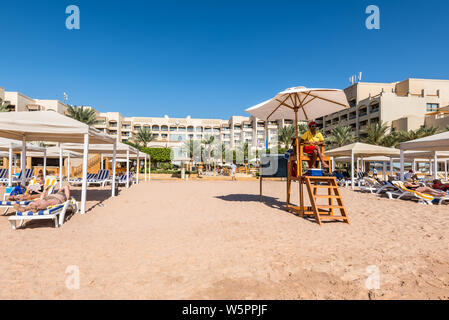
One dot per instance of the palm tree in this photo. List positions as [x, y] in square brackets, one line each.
[286, 134]
[430, 131]
[393, 139]
[341, 136]
[417, 134]
[207, 142]
[244, 149]
[4, 107]
[83, 114]
[302, 128]
[376, 133]
[144, 136]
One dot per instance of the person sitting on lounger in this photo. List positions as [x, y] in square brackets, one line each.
[46, 201]
[438, 185]
[410, 184]
[34, 191]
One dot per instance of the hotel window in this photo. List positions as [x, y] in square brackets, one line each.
[190, 129]
[182, 129]
[136, 127]
[191, 136]
[199, 129]
[247, 126]
[217, 130]
[199, 136]
[155, 128]
[237, 127]
[177, 137]
[164, 128]
[208, 130]
[172, 129]
[432, 107]
[164, 136]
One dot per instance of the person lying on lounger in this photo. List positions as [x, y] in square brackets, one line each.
[409, 184]
[438, 185]
[34, 192]
[46, 201]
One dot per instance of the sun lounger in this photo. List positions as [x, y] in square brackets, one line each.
[101, 178]
[387, 187]
[56, 213]
[370, 184]
[422, 197]
[122, 179]
[28, 175]
[4, 176]
[49, 182]
[78, 181]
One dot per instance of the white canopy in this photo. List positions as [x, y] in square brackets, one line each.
[312, 104]
[437, 142]
[53, 152]
[48, 126]
[6, 144]
[359, 149]
[122, 148]
[423, 155]
[371, 159]
[55, 127]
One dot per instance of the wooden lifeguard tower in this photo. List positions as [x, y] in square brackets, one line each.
[313, 104]
[314, 184]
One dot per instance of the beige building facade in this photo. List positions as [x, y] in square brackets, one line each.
[173, 132]
[20, 102]
[402, 105]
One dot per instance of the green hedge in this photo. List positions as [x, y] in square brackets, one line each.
[158, 154]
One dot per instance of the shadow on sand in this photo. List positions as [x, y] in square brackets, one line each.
[269, 201]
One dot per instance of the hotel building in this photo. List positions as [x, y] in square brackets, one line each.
[405, 105]
[173, 132]
[402, 105]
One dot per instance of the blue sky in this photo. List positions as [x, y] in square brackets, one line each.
[210, 58]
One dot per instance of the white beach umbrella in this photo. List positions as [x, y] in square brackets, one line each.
[300, 103]
[310, 103]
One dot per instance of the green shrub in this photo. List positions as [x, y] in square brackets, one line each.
[158, 154]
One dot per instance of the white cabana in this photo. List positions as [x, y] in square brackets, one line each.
[140, 156]
[121, 149]
[361, 150]
[11, 145]
[55, 127]
[56, 152]
[435, 144]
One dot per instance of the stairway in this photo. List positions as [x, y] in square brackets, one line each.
[93, 166]
[319, 210]
[332, 194]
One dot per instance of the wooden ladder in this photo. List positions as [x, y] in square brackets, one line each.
[332, 194]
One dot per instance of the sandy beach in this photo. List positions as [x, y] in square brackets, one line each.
[215, 240]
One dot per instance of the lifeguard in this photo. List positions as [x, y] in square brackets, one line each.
[313, 140]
